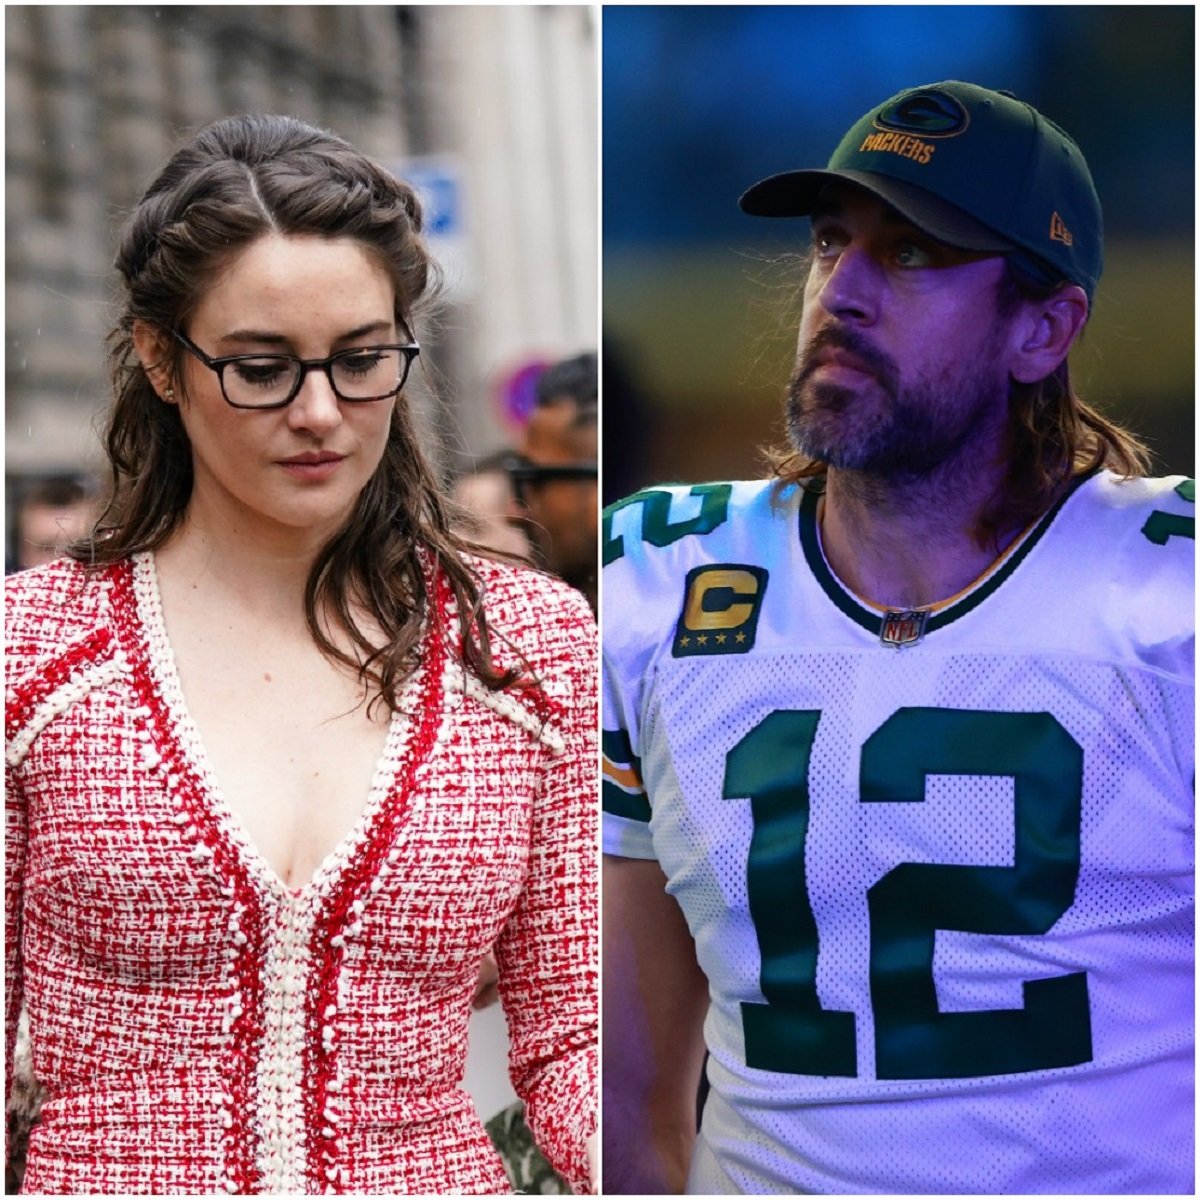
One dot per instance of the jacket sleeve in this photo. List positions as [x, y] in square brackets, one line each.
[548, 951]
[14, 873]
[15, 843]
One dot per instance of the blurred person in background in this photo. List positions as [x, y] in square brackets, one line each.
[554, 473]
[484, 496]
[334, 756]
[51, 514]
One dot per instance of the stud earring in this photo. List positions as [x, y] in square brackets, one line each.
[169, 395]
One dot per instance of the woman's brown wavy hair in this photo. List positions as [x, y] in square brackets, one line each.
[1053, 437]
[234, 181]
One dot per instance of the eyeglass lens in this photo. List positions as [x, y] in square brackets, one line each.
[368, 374]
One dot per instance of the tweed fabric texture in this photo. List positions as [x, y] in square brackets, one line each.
[198, 1025]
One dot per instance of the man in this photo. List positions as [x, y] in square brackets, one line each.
[52, 513]
[899, 747]
[554, 475]
[547, 503]
[484, 498]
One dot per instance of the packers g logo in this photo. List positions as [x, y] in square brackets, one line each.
[929, 113]
[721, 604]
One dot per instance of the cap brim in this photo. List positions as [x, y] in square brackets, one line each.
[795, 194]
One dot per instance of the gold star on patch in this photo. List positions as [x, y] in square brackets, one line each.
[741, 637]
[685, 641]
[720, 637]
[702, 640]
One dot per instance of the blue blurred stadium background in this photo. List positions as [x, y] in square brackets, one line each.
[699, 102]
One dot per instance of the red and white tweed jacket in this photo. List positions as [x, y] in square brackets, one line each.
[201, 1027]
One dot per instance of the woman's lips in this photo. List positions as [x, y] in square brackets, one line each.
[313, 467]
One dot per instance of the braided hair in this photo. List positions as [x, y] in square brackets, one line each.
[237, 180]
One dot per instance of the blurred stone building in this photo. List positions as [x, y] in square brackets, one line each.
[492, 111]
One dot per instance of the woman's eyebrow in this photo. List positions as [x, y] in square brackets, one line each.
[252, 335]
[278, 339]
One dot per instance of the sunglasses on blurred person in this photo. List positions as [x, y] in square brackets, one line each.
[527, 475]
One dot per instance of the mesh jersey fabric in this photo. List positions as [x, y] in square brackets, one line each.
[200, 1027]
[943, 893]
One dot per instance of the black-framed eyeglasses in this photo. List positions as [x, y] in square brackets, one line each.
[525, 474]
[357, 376]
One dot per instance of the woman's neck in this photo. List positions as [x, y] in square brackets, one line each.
[263, 573]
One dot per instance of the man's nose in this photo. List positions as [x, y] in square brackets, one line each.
[851, 288]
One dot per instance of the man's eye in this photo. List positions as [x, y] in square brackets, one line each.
[826, 244]
[908, 254]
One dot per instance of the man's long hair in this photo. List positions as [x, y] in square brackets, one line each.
[235, 181]
[1053, 437]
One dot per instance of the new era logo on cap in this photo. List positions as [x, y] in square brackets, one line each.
[1059, 232]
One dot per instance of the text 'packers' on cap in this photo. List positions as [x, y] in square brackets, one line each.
[973, 167]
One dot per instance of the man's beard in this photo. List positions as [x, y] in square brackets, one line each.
[887, 429]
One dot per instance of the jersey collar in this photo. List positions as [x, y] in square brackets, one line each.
[869, 616]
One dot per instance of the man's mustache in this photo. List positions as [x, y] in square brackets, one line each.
[866, 356]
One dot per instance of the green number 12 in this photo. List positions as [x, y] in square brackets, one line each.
[913, 1039]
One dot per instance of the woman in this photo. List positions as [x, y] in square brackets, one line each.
[284, 759]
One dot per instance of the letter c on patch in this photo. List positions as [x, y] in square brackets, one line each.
[740, 583]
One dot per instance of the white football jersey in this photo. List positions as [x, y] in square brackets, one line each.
[938, 867]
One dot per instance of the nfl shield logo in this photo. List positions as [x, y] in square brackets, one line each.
[903, 628]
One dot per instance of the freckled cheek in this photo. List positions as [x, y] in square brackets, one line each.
[370, 442]
[204, 432]
[376, 435]
[231, 451]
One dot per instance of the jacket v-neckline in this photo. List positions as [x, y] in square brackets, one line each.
[411, 731]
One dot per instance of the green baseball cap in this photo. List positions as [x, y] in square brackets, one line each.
[974, 168]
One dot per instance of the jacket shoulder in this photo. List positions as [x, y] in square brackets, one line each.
[529, 605]
[59, 643]
[539, 623]
[51, 608]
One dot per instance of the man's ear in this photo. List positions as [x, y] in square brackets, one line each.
[153, 353]
[1044, 332]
